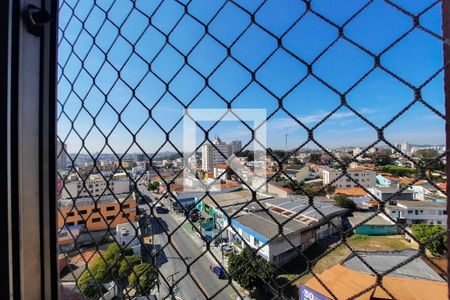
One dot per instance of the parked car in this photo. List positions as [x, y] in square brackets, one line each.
[227, 249]
[161, 209]
[220, 273]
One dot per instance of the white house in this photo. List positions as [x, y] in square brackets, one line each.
[364, 176]
[418, 212]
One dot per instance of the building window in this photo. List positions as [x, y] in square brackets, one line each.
[126, 206]
[97, 209]
[70, 223]
[110, 217]
[439, 222]
[70, 214]
[125, 215]
[83, 212]
[410, 212]
[96, 220]
[110, 208]
[81, 222]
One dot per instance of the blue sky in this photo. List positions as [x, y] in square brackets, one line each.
[378, 97]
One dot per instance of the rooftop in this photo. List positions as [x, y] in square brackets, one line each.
[241, 197]
[357, 191]
[87, 201]
[283, 211]
[358, 217]
[384, 261]
[418, 203]
[345, 283]
[390, 189]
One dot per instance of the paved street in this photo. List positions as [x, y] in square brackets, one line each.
[171, 265]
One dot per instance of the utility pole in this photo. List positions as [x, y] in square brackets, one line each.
[286, 139]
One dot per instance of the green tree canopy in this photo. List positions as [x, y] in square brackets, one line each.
[250, 271]
[143, 278]
[344, 202]
[315, 158]
[382, 158]
[127, 264]
[103, 270]
[398, 171]
[426, 153]
[152, 185]
[424, 232]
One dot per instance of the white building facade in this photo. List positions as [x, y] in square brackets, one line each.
[363, 176]
[419, 212]
[94, 185]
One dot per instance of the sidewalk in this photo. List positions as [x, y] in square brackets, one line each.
[194, 235]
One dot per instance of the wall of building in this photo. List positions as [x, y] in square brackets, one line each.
[365, 178]
[95, 186]
[108, 214]
[376, 229]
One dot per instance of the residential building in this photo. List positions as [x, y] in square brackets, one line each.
[363, 176]
[95, 185]
[378, 225]
[220, 170]
[211, 155]
[257, 227]
[406, 148]
[277, 189]
[299, 173]
[391, 193]
[124, 163]
[418, 212]
[61, 162]
[138, 157]
[423, 190]
[236, 146]
[97, 214]
[128, 234]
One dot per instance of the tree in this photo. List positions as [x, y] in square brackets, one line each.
[424, 232]
[428, 160]
[143, 278]
[315, 158]
[89, 285]
[103, 270]
[250, 271]
[152, 185]
[426, 154]
[344, 202]
[382, 158]
[127, 264]
[398, 171]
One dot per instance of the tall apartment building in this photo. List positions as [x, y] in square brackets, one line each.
[364, 176]
[138, 157]
[62, 155]
[406, 148]
[211, 156]
[95, 185]
[236, 146]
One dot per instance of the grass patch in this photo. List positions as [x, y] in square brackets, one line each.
[359, 242]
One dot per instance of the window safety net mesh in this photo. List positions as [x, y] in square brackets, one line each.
[324, 196]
